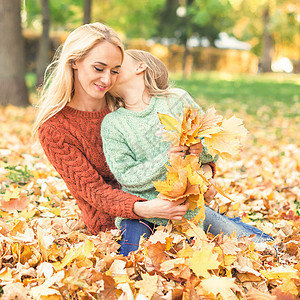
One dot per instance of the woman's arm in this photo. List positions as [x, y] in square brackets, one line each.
[81, 178]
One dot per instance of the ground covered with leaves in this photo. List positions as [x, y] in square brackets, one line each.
[46, 252]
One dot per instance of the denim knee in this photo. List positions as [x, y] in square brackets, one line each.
[131, 231]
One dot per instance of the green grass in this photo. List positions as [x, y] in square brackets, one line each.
[30, 81]
[270, 93]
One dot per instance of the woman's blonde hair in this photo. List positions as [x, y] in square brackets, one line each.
[58, 85]
[156, 75]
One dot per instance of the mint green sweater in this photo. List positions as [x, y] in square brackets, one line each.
[134, 150]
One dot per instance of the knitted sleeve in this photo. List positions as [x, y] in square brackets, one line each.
[83, 181]
[133, 175]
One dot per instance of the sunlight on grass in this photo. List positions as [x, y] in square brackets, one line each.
[256, 94]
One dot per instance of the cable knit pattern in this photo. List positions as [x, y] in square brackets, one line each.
[72, 143]
[134, 150]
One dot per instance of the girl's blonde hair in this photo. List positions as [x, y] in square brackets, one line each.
[58, 85]
[156, 75]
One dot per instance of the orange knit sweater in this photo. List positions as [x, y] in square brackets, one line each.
[72, 143]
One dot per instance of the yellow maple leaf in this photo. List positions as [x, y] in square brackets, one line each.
[80, 253]
[193, 125]
[189, 128]
[45, 288]
[169, 122]
[148, 286]
[12, 193]
[192, 230]
[288, 287]
[182, 181]
[280, 272]
[174, 187]
[172, 127]
[185, 252]
[220, 286]
[6, 274]
[209, 120]
[227, 141]
[27, 214]
[204, 260]
[222, 137]
[168, 265]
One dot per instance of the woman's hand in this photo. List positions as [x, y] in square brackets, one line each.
[177, 150]
[196, 149]
[159, 208]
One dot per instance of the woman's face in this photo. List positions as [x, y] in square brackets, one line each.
[97, 72]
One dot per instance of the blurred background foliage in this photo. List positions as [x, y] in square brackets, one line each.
[235, 36]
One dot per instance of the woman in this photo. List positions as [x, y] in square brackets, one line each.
[73, 103]
[137, 156]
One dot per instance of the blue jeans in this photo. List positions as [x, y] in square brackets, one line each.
[132, 230]
[214, 223]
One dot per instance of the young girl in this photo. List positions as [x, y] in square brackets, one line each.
[135, 152]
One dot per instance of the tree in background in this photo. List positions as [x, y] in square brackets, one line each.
[135, 19]
[87, 7]
[38, 16]
[13, 88]
[66, 15]
[266, 24]
[43, 56]
[181, 20]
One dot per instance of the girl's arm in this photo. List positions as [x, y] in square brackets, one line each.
[133, 175]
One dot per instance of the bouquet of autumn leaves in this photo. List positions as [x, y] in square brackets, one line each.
[184, 178]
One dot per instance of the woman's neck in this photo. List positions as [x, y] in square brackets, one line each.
[87, 104]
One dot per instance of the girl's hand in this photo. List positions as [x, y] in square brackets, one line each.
[210, 192]
[177, 150]
[196, 149]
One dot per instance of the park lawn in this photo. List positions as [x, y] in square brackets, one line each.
[257, 94]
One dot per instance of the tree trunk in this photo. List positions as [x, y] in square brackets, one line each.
[188, 31]
[185, 67]
[13, 89]
[267, 44]
[43, 53]
[87, 11]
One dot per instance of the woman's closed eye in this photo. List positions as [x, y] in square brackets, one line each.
[98, 69]
[101, 70]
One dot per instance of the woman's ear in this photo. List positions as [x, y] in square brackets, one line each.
[74, 65]
[141, 68]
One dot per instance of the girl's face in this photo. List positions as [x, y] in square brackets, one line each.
[127, 74]
[97, 72]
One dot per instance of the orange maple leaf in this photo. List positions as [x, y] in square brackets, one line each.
[156, 253]
[182, 180]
